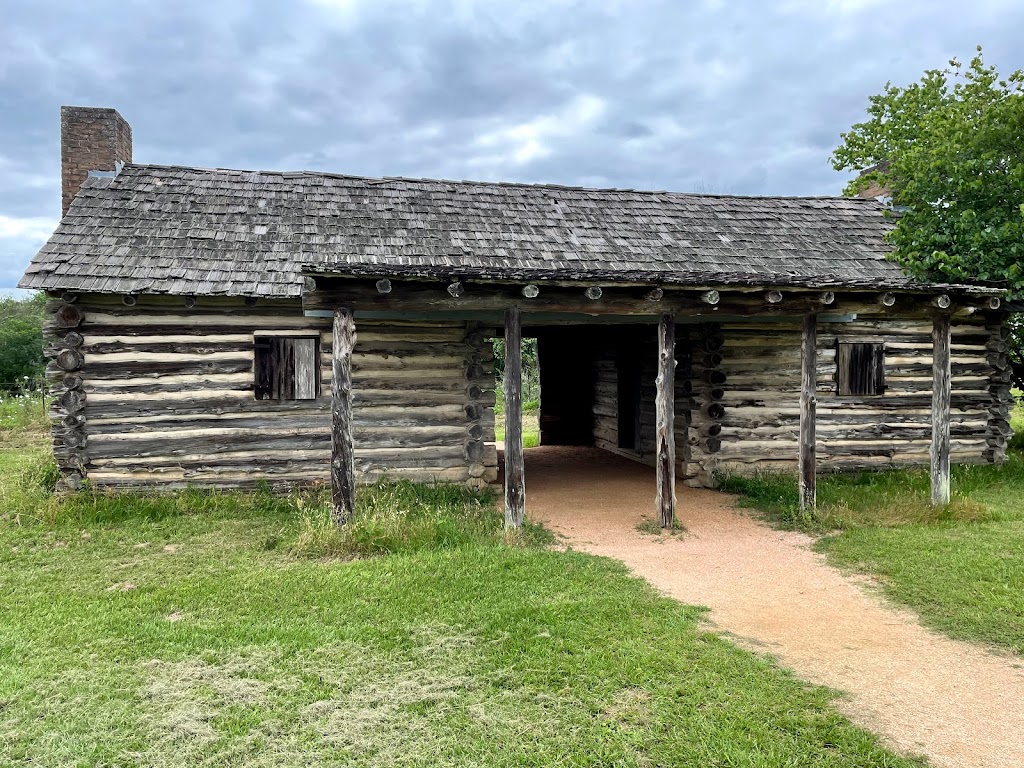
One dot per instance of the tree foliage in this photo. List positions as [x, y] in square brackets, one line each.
[950, 148]
[21, 339]
[531, 367]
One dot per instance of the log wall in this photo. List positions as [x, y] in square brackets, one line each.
[162, 393]
[761, 403]
[738, 395]
[159, 391]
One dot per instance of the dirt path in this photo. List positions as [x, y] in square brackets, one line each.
[924, 693]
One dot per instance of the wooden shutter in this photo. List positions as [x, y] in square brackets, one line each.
[286, 368]
[860, 368]
[304, 352]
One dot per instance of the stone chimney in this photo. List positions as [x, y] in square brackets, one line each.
[91, 139]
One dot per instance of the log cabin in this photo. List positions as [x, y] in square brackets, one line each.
[220, 328]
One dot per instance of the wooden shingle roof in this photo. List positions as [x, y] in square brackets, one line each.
[158, 229]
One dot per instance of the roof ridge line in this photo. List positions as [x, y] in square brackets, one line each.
[510, 184]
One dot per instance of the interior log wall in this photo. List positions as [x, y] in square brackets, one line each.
[639, 346]
[163, 394]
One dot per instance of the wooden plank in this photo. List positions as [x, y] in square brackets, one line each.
[665, 421]
[307, 369]
[808, 408]
[515, 488]
[941, 395]
[343, 482]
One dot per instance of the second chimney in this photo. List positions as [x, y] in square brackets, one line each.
[91, 139]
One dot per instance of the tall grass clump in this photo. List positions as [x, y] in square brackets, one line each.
[773, 493]
[27, 493]
[395, 516]
[1016, 443]
[27, 485]
[24, 413]
[884, 498]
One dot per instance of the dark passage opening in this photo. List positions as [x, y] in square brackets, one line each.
[565, 358]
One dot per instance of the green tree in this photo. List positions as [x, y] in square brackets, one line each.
[531, 368]
[21, 338]
[950, 148]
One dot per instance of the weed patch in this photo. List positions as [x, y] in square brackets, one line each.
[652, 527]
[887, 498]
[400, 516]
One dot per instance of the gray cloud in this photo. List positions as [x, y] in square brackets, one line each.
[738, 97]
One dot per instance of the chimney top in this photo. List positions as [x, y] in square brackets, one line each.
[91, 139]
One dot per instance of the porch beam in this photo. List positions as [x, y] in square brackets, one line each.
[808, 413]
[941, 393]
[612, 300]
[515, 489]
[664, 406]
[343, 481]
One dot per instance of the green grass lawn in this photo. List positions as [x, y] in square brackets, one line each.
[197, 629]
[961, 568]
[24, 419]
[531, 425]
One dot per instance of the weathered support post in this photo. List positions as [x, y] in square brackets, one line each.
[515, 487]
[343, 479]
[808, 413]
[665, 416]
[941, 392]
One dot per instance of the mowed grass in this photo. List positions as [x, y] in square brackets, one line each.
[531, 424]
[196, 629]
[960, 567]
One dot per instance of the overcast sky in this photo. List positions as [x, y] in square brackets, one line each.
[737, 96]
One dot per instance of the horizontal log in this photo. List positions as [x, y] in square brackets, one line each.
[67, 316]
[172, 479]
[72, 401]
[100, 368]
[310, 460]
[365, 418]
[218, 404]
[103, 447]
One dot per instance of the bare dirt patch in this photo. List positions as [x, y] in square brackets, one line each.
[957, 703]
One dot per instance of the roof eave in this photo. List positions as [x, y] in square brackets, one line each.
[644, 277]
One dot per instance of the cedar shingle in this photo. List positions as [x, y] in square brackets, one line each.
[195, 231]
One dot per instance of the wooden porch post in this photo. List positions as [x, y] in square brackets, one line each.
[343, 481]
[664, 406]
[941, 393]
[808, 413]
[515, 489]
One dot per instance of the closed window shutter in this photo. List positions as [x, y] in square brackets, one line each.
[860, 368]
[286, 368]
[304, 353]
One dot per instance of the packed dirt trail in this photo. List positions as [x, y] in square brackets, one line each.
[954, 702]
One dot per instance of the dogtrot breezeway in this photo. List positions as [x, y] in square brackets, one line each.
[956, 703]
